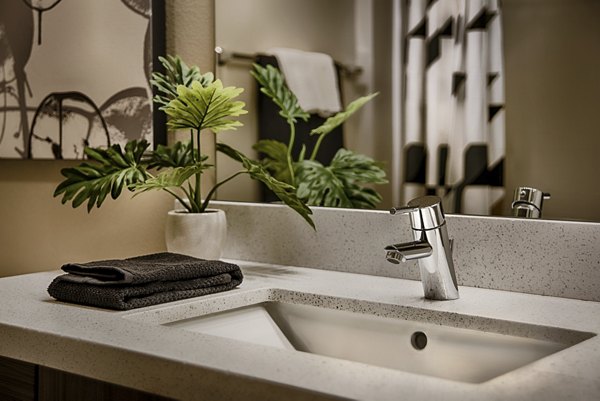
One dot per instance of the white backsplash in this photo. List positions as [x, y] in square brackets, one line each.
[543, 257]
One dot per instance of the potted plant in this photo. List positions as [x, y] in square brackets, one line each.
[195, 102]
[345, 182]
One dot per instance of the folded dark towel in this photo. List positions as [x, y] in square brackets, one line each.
[143, 281]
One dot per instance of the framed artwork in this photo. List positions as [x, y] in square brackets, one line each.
[76, 73]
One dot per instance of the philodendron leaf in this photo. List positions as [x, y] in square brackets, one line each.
[176, 73]
[356, 168]
[272, 84]
[284, 191]
[210, 107]
[336, 120]
[341, 184]
[180, 154]
[112, 171]
[173, 177]
[362, 197]
[318, 185]
[274, 158]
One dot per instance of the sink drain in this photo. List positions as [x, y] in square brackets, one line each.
[418, 340]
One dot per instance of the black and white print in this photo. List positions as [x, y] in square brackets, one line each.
[74, 73]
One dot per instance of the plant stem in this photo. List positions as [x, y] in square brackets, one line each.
[214, 189]
[289, 152]
[173, 194]
[197, 192]
[313, 155]
[189, 194]
[192, 143]
[184, 203]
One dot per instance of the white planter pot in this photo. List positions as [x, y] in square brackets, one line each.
[201, 235]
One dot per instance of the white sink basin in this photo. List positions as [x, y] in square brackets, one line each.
[447, 352]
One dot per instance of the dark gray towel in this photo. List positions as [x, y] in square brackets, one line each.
[143, 281]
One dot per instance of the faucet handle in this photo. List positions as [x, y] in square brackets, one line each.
[403, 210]
[425, 212]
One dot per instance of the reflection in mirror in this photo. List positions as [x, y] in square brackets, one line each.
[527, 115]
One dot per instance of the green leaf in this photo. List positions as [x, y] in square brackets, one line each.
[284, 192]
[318, 185]
[201, 107]
[336, 120]
[356, 168]
[274, 158]
[172, 177]
[272, 84]
[176, 73]
[342, 183]
[180, 154]
[362, 197]
[109, 171]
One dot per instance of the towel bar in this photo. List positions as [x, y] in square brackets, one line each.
[225, 56]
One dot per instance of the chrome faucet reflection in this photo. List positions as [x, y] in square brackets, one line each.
[431, 247]
[528, 202]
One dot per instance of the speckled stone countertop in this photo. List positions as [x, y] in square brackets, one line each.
[133, 349]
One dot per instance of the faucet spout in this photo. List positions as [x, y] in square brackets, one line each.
[431, 247]
[408, 251]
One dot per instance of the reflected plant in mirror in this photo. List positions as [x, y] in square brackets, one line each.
[195, 102]
[546, 136]
[345, 181]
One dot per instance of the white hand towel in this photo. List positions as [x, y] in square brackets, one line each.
[313, 79]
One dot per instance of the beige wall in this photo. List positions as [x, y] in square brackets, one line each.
[553, 103]
[38, 233]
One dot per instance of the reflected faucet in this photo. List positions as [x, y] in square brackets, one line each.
[528, 202]
[431, 248]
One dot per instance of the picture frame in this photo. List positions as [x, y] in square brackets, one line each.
[76, 73]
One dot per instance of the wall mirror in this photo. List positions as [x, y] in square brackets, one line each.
[548, 100]
[76, 74]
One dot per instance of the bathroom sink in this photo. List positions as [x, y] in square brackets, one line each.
[444, 351]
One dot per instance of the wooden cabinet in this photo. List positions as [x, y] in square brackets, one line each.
[22, 381]
[17, 380]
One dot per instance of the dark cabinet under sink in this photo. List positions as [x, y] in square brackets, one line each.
[23, 381]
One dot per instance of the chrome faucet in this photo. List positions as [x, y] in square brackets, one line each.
[431, 247]
[528, 202]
